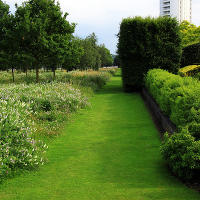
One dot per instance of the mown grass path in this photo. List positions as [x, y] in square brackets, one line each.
[109, 152]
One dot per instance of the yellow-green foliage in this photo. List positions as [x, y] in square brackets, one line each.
[179, 98]
[189, 70]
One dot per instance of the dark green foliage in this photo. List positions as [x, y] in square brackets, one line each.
[147, 43]
[116, 61]
[73, 55]
[182, 154]
[44, 33]
[191, 55]
[90, 58]
[39, 36]
[94, 56]
[8, 45]
[106, 57]
[179, 98]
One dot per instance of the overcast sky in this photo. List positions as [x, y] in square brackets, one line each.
[104, 16]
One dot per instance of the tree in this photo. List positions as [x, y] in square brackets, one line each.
[59, 37]
[106, 57]
[73, 54]
[42, 28]
[116, 61]
[91, 58]
[190, 33]
[8, 42]
[4, 12]
[94, 56]
[11, 45]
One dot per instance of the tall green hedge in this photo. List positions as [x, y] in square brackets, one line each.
[146, 43]
[191, 55]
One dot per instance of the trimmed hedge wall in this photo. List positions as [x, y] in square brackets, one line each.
[191, 55]
[179, 98]
[146, 43]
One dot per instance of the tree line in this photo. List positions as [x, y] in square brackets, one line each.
[39, 36]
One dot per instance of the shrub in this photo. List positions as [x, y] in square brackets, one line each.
[191, 55]
[182, 154]
[190, 70]
[179, 98]
[197, 76]
[147, 43]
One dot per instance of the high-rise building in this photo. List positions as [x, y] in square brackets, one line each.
[181, 9]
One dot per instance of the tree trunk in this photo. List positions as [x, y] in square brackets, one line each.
[13, 75]
[54, 74]
[26, 72]
[37, 74]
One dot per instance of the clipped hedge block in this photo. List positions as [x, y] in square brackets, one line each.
[146, 43]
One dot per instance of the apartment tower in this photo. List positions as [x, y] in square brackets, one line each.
[181, 9]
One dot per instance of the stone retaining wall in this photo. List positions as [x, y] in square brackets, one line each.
[163, 122]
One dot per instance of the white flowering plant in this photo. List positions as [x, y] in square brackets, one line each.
[18, 149]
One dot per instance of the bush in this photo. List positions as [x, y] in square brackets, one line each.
[182, 154]
[191, 55]
[190, 70]
[179, 98]
[147, 43]
[197, 76]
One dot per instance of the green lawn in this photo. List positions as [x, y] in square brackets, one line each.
[108, 152]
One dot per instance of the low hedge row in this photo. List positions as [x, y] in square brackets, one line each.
[179, 98]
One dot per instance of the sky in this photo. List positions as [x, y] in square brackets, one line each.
[103, 17]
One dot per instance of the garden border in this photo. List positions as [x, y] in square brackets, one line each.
[162, 122]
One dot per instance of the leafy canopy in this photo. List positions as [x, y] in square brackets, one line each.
[190, 33]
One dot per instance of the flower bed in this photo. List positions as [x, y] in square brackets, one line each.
[28, 112]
